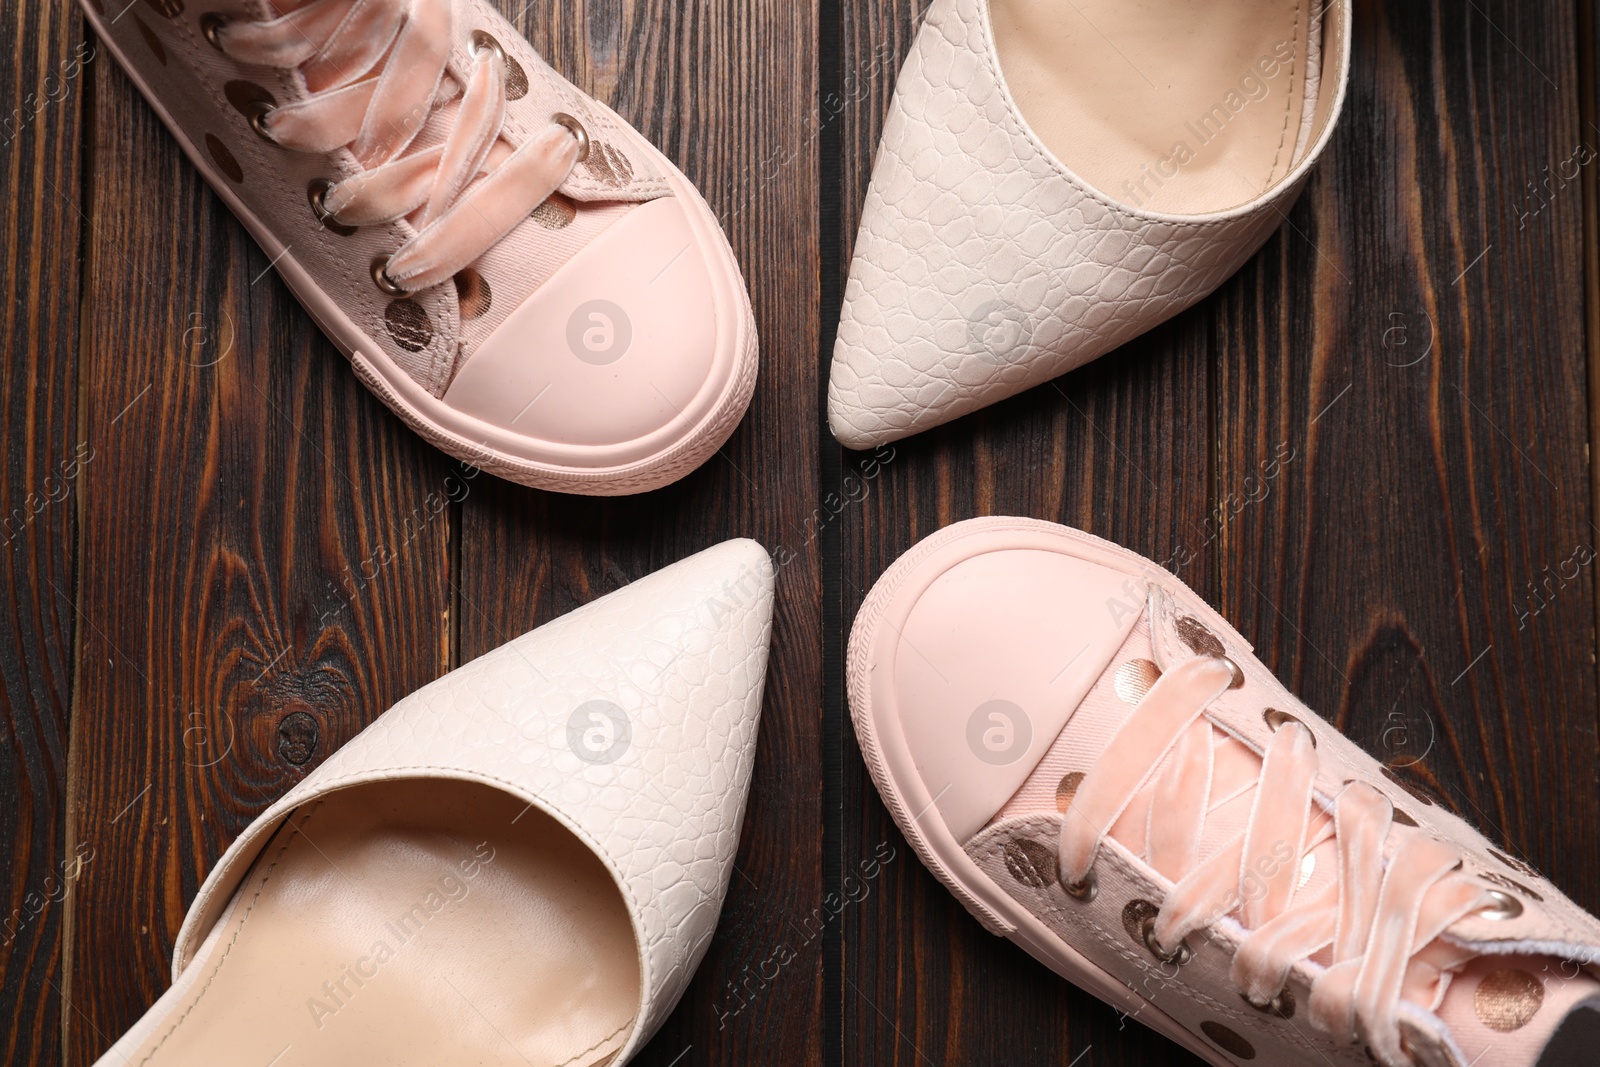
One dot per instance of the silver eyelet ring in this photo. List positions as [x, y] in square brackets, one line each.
[1083, 891]
[1505, 907]
[561, 118]
[1277, 720]
[1179, 956]
[1238, 672]
[316, 195]
[386, 284]
[211, 26]
[484, 42]
[259, 110]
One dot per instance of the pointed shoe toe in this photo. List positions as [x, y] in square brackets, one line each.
[1038, 200]
[520, 862]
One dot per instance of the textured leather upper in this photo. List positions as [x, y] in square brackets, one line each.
[984, 266]
[681, 656]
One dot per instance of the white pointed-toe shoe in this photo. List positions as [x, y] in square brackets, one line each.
[521, 863]
[1055, 179]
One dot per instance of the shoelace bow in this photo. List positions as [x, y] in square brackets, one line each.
[1381, 918]
[375, 71]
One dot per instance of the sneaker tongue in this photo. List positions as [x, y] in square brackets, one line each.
[1523, 1011]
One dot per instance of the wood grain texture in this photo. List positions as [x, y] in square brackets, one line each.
[42, 71]
[1371, 567]
[1427, 306]
[1119, 448]
[241, 557]
[726, 90]
[265, 572]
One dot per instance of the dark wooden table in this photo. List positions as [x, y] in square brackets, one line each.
[222, 557]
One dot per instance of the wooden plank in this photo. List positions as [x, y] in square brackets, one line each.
[1119, 449]
[727, 90]
[267, 574]
[42, 70]
[1420, 574]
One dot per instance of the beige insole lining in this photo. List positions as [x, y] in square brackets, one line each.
[418, 922]
[1176, 106]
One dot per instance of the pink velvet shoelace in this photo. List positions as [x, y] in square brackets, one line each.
[1377, 927]
[375, 71]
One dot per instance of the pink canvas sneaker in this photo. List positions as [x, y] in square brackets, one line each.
[509, 266]
[1094, 763]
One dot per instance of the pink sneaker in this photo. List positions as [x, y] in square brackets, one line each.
[1094, 763]
[510, 267]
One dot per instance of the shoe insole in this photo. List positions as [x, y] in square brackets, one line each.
[1175, 106]
[421, 922]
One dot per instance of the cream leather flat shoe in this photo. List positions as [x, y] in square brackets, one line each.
[1092, 761]
[520, 863]
[511, 268]
[1054, 179]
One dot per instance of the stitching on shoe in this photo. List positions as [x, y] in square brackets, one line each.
[254, 900]
[1077, 917]
[597, 1044]
[1122, 212]
[299, 831]
[442, 354]
[1288, 112]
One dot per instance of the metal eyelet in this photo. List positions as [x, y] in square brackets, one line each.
[1505, 907]
[211, 26]
[561, 118]
[257, 116]
[1083, 891]
[316, 194]
[1277, 720]
[1281, 1006]
[485, 42]
[1238, 672]
[1179, 956]
[385, 284]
